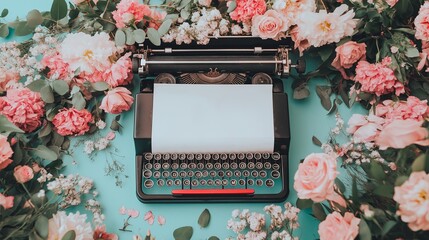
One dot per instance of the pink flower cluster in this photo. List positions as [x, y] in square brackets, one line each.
[378, 78]
[412, 108]
[338, 227]
[130, 12]
[5, 152]
[422, 23]
[72, 121]
[246, 9]
[413, 199]
[23, 107]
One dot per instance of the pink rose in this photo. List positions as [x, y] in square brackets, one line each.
[300, 42]
[130, 12]
[120, 72]
[338, 227]
[401, 133]
[156, 18]
[117, 100]
[270, 25]
[246, 9]
[23, 174]
[5, 152]
[6, 202]
[348, 54]
[72, 121]
[7, 79]
[364, 128]
[23, 107]
[412, 197]
[315, 177]
[422, 23]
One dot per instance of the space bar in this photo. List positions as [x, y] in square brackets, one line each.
[213, 191]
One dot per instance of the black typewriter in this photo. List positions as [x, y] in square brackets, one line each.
[211, 121]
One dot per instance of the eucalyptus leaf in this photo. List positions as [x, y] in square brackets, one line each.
[387, 227]
[44, 152]
[4, 30]
[58, 9]
[120, 38]
[75, 89]
[376, 171]
[34, 18]
[184, 3]
[384, 191]
[35, 236]
[183, 233]
[4, 13]
[37, 85]
[304, 203]
[45, 131]
[23, 29]
[60, 87]
[78, 101]
[316, 141]
[154, 36]
[364, 231]
[129, 37]
[301, 92]
[213, 238]
[318, 211]
[184, 13]
[41, 226]
[139, 35]
[232, 6]
[100, 86]
[204, 218]
[70, 235]
[7, 126]
[324, 93]
[412, 52]
[165, 26]
[419, 163]
[400, 180]
[47, 94]
[340, 185]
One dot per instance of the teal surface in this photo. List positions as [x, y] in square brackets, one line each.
[307, 119]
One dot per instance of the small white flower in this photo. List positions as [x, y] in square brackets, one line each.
[100, 124]
[394, 49]
[41, 193]
[89, 146]
[101, 144]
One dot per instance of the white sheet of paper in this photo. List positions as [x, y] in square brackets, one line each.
[212, 118]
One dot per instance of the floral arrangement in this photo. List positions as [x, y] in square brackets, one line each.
[76, 67]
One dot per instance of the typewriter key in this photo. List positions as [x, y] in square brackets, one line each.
[276, 156]
[203, 182]
[267, 165]
[224, 182]
[200, 165]
[194, 183]
[276, 166]
[157, 174]
[183, 165]
[147, 173]
[182, 157]
[207, 156]
[191, 156]
[246, 173]
[157, 156]
[217, 166]
[223, 156]
[177, 182]
[220, 173]
[169, 182]
[192, 165]
[165, 174]
[174, 166]
[210, 182]
[190, 174]
[215, 156]
[259, 182]
[263, 174]
[241, 182]
[205, 173]
[242, 165]
[255, 173]
[165, 166]
[259, 165]
[174, 174]
[250, 182]
[233, 182]
[265, 156]
[148, 183]
[166, 156]
[160, 182]
[217, 182]
[174, 156]
[234, 165]
[212, 173]
[241, 156]
[148, 156]
[269, 182]
[148, 166]
[257, 156]
[228, 173]
[249, 156]
[225, 165]
[250, 165]
[182, 174]
[232, 156]
[237, 173]
[198, 174]
[209, 166]
[198, 156]
[157, 166]
[275, 174]
[186, 182]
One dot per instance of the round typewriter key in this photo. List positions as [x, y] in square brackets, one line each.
[182, 157]
[157, 174]
[157, 156]
[198, 174]
[220, 173]
[165, 166]
[210, 182]
[191, 156]
[203, 182]
[232, 156]
[169, 182]
[192, 165]
[241, 182]
[250, 165]
[194, 183]
[200, 166]
[177, 182]
[186, 182]
[217, 166]
[205, 173]
[257, 156]
[223, 156]
[246, 173]
[183, 165]
[259, 182]
[267, 165]
[234, 165]
[207, 156]
[250, 182]
[198, 156]
[225, 165]
[249, 156]
[276, 156]
[228, 173]
[174, 156]
[174, 166]
[275, 174]
[276, 166]
[165, 174]
[157, 166]
[148, 183]
[242, 165]
[160, 182]
[215, 156]
[263, 174]
[212, 173]
[237, 173]
[190, 174]
[166, 156]
[148, 166]
[255, 173]
[233, 182]
[241, 156]
[209, 166]
[148, 156]
[259, 165]
[269, 182]
[224, 182]
[266, 156]
[147, 173]
[217, 182]
[174, 174]
[182, 174]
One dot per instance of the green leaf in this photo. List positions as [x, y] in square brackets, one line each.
[4, 13]
[120, 38]
[400, 180]
[364, 231]
[213, 238]
[340, 185]
[165, 26]
[232, 6]
[100, 86]
[34, 18]
[115, 126]
[139, 35]
[7, 126]
[304, 203]
[316, 141]
[419, 163]
[60, 87]
[183, 233]
[58, 9]
[324, 93]
[41, 226]
[44, 152]
[47, 94]
[37, 85]
[4, 30]
[23, 29]
[75, 89]
[70, 235]
[130, 37]
[204, 218]
[355, 192]
[184, 13]
[78, 101]
[412, 52]
[301, 92]
[184, 3]
[153, 36]
[45, 131]
[376, 171]
[35, 236]
[57, 139]
[318, 211]
[384, 191]
[387, 227]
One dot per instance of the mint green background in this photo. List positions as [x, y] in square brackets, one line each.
[307, 118]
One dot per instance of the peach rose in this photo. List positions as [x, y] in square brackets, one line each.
[401, 133]
[412, 197]
[8, 78]
[23, 174]
[270, 25]
[117, 100]
[72, 121]
[338, 227]
[422, 23]
[347, 55]
[364, 128]
[5, 152]
[315, 177]
[6, 202]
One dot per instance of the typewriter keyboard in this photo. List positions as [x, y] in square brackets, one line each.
[163, 173]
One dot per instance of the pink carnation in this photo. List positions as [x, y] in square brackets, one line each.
[7, 79]
[246, 9]
[23, 107]
[413, 199]
[130, 12]
[6, 202]
[338, 227]
[378, 78]
[412, 108]
[422, 23]
[5, 152]
[57, 67]
[72, 121]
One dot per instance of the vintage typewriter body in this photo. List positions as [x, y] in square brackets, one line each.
[200, 175]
